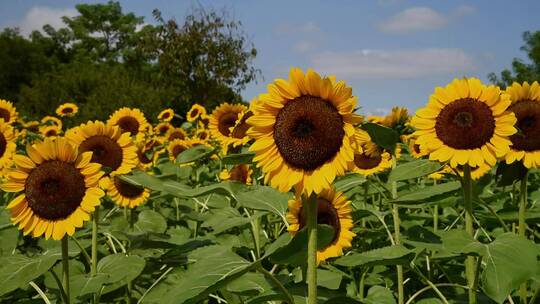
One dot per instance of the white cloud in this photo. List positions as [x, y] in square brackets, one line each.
[394, 64]
[38, 16]
[412, 20]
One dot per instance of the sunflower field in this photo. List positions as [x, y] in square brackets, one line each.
[292, 198]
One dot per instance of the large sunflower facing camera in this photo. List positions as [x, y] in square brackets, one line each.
[303, 129]
[526, 106]
[111, 147]
[60, 189]
[465, 122]
[333, 209]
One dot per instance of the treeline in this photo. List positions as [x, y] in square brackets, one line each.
[103, 59]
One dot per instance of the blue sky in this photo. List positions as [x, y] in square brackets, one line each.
[392, 52]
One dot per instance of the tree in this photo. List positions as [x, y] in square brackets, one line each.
[522, 71]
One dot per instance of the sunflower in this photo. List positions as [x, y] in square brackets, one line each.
[176, 133]
[111, 148]
[130, 120]
[166, 115]
[375, 119]
[123, 193]
[465, 123]
[51, 121]
[163, 128]
[398, 116]
[240, 173]
[303, 131]
[8, 112]
[32, 126]
[50, 131]
[7, 145]
[60, 189]
[371, 159]
[333, 209]
[222, 119]
[178, 146]
[526, 106]
[414, 148]
[238, 135]
[67, 109]
[148, 152]
[203, 135]
[438, 175]
[195, 112]
[204, 121]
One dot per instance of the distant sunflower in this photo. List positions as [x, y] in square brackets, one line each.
[125, 194]
[51, 121]
[176, 133]
[240, 173]
[238, 135]
[130, 120]
[222, 119]
[60, 189]
[8, 112]
[371, 160]
[148, 152]
[176, 147]
[333, 209]
[49, 131]
[303, 131]
[163, 128]
[375, 119]
[67, 109]
[111, 147]
[32, 126]
[7, 144]
[465, 123]
[195, 112]
[202, 134]
[398, 116]
[414, 148]
[204, 121]
[166, 115]
[526, 106]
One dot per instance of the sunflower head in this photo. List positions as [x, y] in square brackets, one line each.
[8, 112]
[526, 106]
[59, 189]
[51, 121]
[240, 173]
[303, 129]
[195, 112]
[465, 123]
[176, 147]
[176, 133]
[123, 193]
[163, 128]
[397, 118]
[166, 115]
[223, 118]
[49, 131]
[67, 109]
[202, 135]
[32, 126]
[111, 147]
[414, 148]
[333, 209]
[130, 120]
[7, 145]
[148, 152]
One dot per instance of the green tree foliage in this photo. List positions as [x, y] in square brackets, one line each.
[522, 71]
[104, 59]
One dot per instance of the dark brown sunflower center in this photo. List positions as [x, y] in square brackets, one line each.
[54, 190]
[5, 114]
[308, 132]
[226, 121]
[176, 135]
[326, 214]
[364, 161]
[241, 129]
[203, 135]
[67, 110]
[106, 151]
[240, 173]
[528, 121]
[163, 130]
[194, 112]
[166, 115]
[129, 124]
[126, 189]
[416, 148]
[51, 132]
[3, 144]
[465, 124]
[176, 150]
[143, 157]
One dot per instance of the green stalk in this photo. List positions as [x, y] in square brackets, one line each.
[435, 213]
[470, 263]
[522, 227]
[95, 226]
[65, 268]
[277, 283]
[397, 238]
[310, 208]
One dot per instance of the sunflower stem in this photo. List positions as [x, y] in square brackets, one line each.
[435, 213]
[522, 226]
[397, 238]
[65, 268]
[95, 226]
[277, 283]
[470, 263]
[310, 207]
